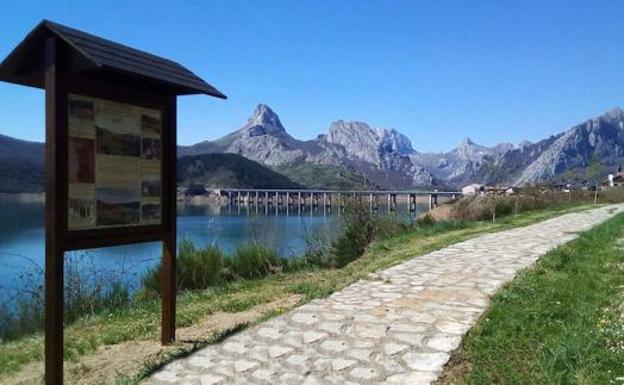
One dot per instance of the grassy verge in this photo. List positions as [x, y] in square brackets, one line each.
[142, 321]
[560, 322]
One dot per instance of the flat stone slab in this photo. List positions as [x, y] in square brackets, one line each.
[399, 326]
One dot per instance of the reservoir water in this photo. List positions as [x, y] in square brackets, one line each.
[22, 239]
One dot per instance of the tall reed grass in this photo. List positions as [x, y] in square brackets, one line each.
[88, 289]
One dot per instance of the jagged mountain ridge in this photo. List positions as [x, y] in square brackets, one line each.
[461, 164]
[379, 154]
[387, 158]
[377, 157]
[600, 139]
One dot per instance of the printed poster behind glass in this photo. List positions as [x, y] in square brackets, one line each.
[115, 153]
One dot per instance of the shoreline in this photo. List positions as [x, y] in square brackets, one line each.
[23, 197]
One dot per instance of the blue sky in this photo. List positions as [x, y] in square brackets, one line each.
[437, 71]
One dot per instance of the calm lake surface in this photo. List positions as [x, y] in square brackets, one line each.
[22, 239]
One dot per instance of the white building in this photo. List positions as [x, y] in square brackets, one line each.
[472, 189]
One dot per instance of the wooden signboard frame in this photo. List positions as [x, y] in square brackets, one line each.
[59, 84]
[65, 62]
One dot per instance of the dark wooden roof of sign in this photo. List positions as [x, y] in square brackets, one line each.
[24, 65]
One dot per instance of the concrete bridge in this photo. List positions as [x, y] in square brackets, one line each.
[302, 200]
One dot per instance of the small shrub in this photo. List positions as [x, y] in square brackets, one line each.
[487, 207]
[360, 226]
[425, 220]
[319, 244]
[388, 226]
[200, 269]
[254, 261]
[503, 207]
[298, 263]
[611, 195]
[349, 246]
[195, 269]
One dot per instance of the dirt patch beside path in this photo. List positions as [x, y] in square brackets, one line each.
[112, 363]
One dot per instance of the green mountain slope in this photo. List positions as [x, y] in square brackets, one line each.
[318, 176]
[229, 170]
[21, 165]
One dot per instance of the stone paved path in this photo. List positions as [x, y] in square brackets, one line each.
[397, 327]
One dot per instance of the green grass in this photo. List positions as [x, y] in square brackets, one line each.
[560, 322]
[253, 261]
[195, 269]
[142, 321]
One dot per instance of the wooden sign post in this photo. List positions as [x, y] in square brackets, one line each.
[110, 155]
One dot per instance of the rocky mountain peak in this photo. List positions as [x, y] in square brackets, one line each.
[615, 113]
[357, 138]
[340, 126]
[264, 121]
[524, 143]
[393, 140]
[466, 142]
[387, 157]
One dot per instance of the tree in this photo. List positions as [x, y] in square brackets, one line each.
[595, 172]
[195, 189]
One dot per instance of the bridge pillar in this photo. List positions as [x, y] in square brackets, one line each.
[412, 203]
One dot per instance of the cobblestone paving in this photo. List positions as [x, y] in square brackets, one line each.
[399, 326]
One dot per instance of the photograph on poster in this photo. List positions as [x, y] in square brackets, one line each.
[118, 206]
[150, 213]
[150, 186]
[151, 149]
[110, 142]
[81, 153]
[111, 170]
[81, 117]
[81, 109]
[118, 117]
[81, 206]
[150, 123]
